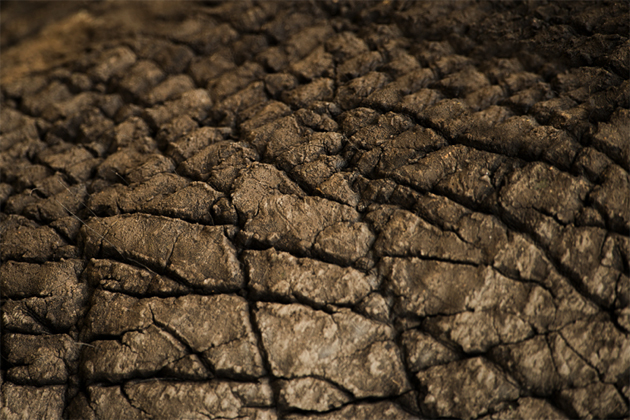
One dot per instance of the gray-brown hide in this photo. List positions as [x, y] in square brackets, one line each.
[315, 210]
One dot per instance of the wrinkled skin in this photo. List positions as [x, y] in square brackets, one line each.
[331, 210]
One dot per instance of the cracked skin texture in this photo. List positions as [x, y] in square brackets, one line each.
[315, 210]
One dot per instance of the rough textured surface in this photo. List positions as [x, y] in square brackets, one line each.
[315, 210]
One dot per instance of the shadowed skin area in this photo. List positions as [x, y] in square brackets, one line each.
[314, 210]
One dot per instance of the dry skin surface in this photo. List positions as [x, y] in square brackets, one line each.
[327, 210]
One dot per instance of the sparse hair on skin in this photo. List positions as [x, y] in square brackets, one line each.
[99, 235]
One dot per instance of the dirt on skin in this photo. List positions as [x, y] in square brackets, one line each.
[314, 210]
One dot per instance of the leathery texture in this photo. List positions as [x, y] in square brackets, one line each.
[315, 210]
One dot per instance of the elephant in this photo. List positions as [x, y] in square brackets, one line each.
[315, 210]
